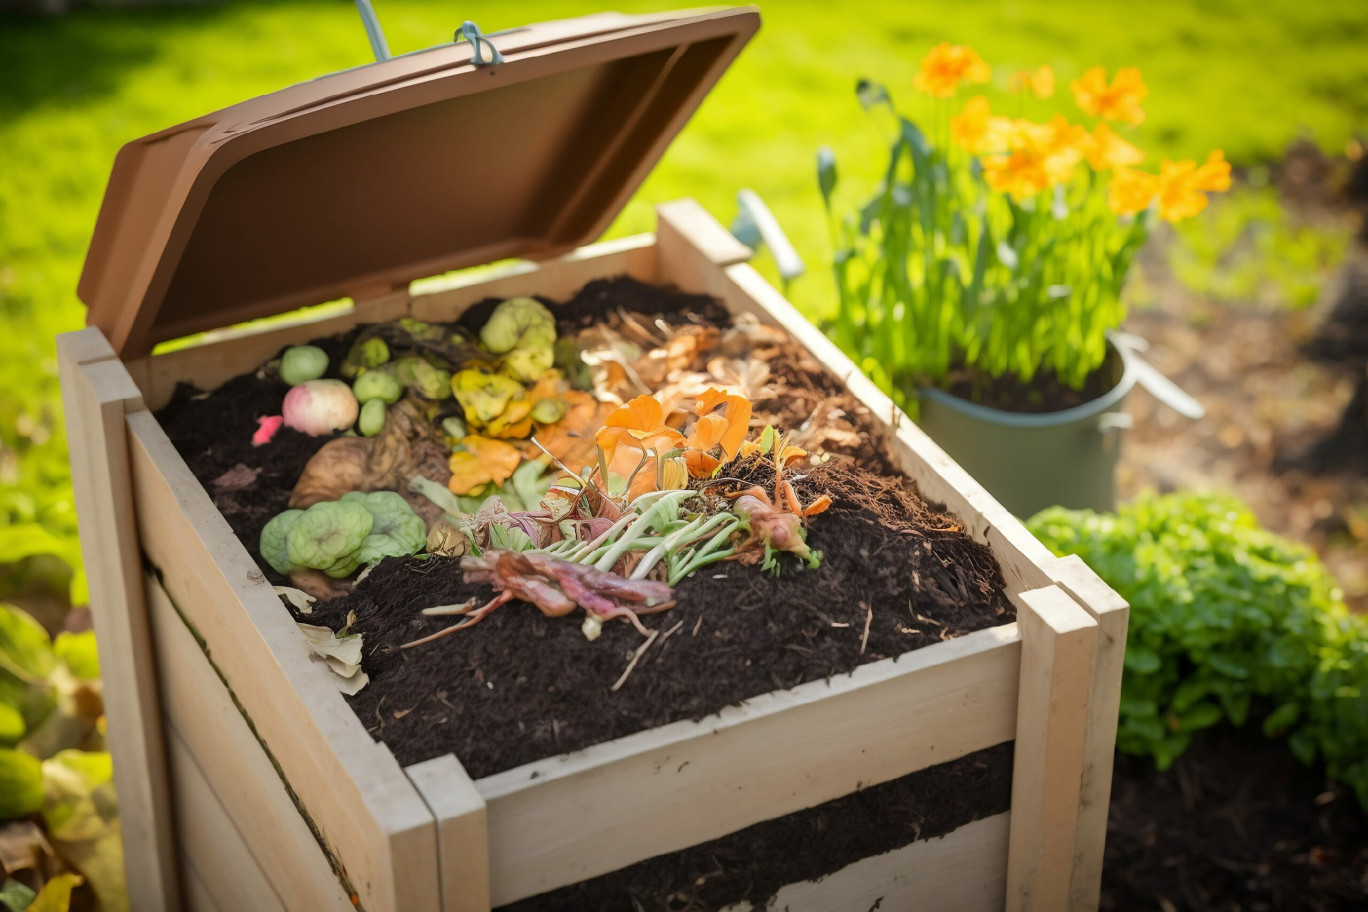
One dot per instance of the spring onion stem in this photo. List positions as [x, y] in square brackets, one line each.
[696, 529]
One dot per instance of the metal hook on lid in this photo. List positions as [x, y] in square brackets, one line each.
[469, 31]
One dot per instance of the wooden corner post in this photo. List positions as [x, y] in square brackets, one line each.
[1057, 642]
[1099, 750]
[97, 395]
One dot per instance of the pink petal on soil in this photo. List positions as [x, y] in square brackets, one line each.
[267, 425]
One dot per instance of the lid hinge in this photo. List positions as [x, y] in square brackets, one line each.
[469, 31]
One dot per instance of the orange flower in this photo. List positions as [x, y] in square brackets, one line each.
[1040, 83]
[723, 420]
[1041, 156]
[1118, 101]
[483, 461]
[1183, 186]
[729, 417]
[638, 425]
[1105, 149]
[1130, 190]
[977, 130]
[946, 66]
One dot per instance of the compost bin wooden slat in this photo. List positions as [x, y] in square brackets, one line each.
[210, 728]
[213, 851]
[963, 871]
[573, 817]
[372, 819]
[1057, 640]
[97, 394]
[198, 896]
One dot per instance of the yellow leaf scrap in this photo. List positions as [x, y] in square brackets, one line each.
[483, 461]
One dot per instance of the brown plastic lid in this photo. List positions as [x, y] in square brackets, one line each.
[367, 179]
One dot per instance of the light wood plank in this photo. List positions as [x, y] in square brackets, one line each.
[462, 831]
[963, 871]
[213, 849]
[96, 396]
[558, 279]
[198, 897]
[569, 818]
[1057, 641]
[371, 817]
[211, 728]
[1099, 746]
[691, 243]
[83, 346]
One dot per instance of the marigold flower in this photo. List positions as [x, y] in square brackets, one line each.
[1118, 101]
[1130, 190]
[1040, 83]
[977, 130]
[638, 425]
[946, 66]
[1183, 186]
[1106, 150]
[1041, 156]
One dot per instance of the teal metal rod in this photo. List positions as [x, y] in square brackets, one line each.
[373, 30]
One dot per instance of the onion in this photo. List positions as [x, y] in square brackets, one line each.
[320, 407]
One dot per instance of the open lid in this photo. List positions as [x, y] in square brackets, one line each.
[364, 180]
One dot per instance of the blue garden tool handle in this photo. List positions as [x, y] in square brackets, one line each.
[763, 227]
[373, 30]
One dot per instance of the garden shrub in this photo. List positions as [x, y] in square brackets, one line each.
[1226, 617]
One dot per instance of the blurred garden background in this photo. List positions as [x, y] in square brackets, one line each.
[1258, 307]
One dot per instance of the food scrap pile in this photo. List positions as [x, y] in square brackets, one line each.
[631, 452]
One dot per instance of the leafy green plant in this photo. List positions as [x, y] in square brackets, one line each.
[1226, 619]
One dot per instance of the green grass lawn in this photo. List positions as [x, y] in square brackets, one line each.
[1244, 77]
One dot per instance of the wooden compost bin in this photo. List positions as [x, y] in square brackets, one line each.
[245, 779]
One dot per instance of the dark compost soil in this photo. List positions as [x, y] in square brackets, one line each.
[520, 687]
[752, 864]
[1237, 823]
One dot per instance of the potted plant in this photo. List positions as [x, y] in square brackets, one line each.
[980, 284]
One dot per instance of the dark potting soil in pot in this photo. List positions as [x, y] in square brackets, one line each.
[1046, 392]
[519, 687]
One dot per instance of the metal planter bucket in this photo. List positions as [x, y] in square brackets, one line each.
[1069, 457]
